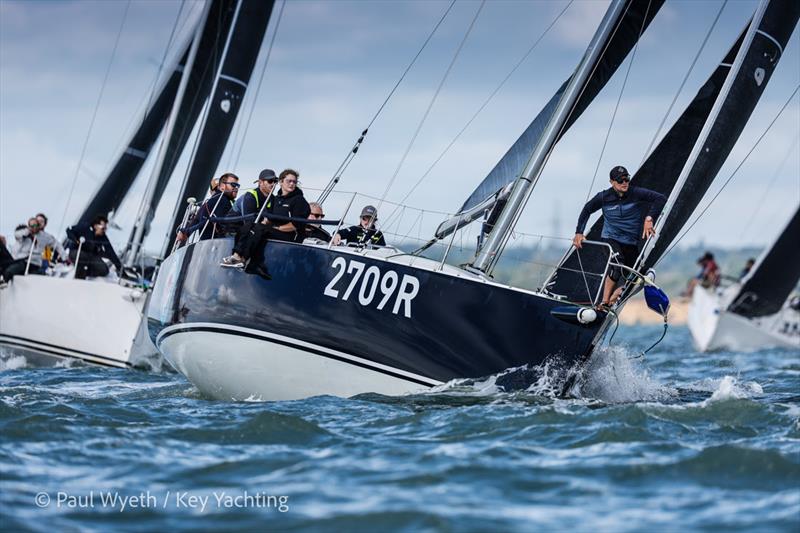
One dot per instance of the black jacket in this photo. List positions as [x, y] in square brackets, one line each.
[253, 201]
[99, 246]
[315, 232]
[623, 214]
[357, 234]
[292, 205]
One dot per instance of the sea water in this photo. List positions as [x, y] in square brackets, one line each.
[676, 440]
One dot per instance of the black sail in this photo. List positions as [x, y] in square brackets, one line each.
[663, 167]
[201, 79]
[659, 172]
[636, 18]
[773, 277]
[762, 57]
[238, 63]
[119, 181]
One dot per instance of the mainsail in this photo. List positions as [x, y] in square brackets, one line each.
[637, 15]
[776, 273]
[239, 59]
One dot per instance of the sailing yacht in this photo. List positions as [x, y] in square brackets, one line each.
[757, 311]
[349, 320]
[102, 321]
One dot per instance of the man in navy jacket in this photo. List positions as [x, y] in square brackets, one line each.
[623, 208]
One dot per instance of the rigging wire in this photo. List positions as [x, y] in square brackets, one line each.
[735, 171]
[619, 100]
[483, 105]
[258, 87]
[94, 114]
[354, 150]
[772, 181]
[683, 83]
[431, 103]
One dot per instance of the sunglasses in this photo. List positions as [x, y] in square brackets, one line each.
[290, 181]
[623, 179]
[318, 215]
[34, 225]
[232, 184]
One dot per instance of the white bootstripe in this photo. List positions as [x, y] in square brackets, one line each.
[365, 362]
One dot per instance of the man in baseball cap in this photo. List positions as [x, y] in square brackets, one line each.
[250, 202]
[365, 233]
[628, 217]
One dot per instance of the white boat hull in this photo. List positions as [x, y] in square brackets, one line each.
[63, 318]
[714, 328]
[235, 363]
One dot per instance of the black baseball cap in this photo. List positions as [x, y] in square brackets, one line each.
[267, 174]
[619, 172]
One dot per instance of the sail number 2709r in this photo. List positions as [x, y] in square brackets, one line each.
[374, 285]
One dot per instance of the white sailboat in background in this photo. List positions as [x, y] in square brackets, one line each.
[758, 311]
[49, 318]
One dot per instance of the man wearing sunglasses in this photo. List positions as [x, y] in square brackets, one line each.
[623, 208]
[218, 205]
[315, 231]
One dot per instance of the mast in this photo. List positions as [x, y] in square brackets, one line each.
[776, 273]
[116, 185]
[762, 47]
[533, 168]
[239, 58]
[147, 201]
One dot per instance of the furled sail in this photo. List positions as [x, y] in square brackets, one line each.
[776, 273]
[239, 59]
[119, 181]
[637, 16]
[680, 167]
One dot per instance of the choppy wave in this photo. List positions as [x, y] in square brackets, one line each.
[677, 439]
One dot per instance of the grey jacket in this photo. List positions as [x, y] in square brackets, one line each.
[43, 240]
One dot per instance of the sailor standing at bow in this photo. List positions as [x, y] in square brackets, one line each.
[623, 208]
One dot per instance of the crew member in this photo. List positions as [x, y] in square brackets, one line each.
[315, 231]
[218, 205]
[364, 233]
[250, 242]
[250, 202]
[93, 250]
[623, 209]
[748, 266]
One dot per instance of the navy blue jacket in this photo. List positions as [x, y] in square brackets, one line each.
[623, 215]
[214, 206]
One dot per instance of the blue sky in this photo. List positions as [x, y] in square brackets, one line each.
[332, 65]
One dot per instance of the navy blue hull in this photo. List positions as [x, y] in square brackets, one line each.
[427, 323]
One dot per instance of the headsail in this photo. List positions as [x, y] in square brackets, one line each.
[776, 273]
[637, 15]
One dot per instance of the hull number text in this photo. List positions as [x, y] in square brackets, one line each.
[369, 285]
